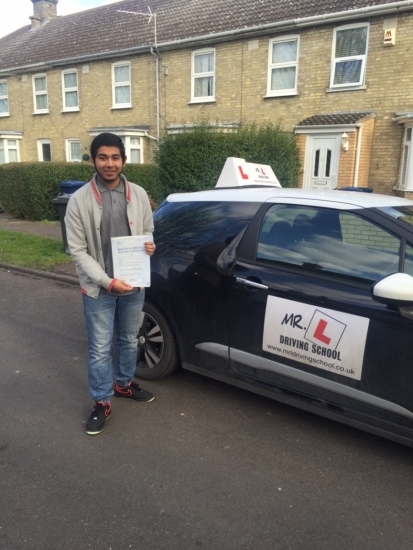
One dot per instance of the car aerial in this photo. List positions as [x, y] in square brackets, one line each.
[303, 296]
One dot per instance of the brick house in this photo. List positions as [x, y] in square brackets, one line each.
[337, 74]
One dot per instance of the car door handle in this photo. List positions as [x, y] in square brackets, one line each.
[251, 283]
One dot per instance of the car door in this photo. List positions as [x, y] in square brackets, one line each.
[301, 317]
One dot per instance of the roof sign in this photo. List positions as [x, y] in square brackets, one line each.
[239, 173]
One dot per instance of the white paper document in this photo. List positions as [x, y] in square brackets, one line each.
[130, 261]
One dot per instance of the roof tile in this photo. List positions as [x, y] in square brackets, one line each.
[108, 28]
[332, 119]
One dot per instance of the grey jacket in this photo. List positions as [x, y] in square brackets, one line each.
[83, 217]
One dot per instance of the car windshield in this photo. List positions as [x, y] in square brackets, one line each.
[401, 213]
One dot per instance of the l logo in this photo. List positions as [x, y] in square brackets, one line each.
[243, 175]
[325, 330]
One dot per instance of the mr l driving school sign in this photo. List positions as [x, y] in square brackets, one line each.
[239, 173]
[323, 338]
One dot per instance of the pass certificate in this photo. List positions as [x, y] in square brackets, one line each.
[130, 261]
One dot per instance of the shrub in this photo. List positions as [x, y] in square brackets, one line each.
[27, 189]
[193, 160]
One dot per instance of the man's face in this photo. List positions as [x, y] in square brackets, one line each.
[109, 164]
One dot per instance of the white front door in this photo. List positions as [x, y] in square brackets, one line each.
[322, 157]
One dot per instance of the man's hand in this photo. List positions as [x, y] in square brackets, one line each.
[149, 247]
[120, 286]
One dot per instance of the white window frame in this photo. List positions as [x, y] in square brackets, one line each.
[121, 84]
[362, 58]
[129, 146]
[40, 143]
[5, 97]
[406, 172]
[65, 90]
[69, 143]
[42, 92]
[194, 76]
[126, 135]
[272, 66]
[4, 139]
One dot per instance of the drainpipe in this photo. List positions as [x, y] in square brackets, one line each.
[157, 92]
[357, 166]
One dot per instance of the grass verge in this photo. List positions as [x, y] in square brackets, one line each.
[31, 251]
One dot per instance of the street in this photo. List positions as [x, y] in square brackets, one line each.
[205, 466]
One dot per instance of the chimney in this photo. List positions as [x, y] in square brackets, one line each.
[43, 11]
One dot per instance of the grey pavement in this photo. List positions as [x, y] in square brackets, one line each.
[204, 466]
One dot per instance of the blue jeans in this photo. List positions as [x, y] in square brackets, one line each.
[111, 319]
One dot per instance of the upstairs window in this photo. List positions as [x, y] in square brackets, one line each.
[203, 75]
[283, 66]
[40, 94]
[70, 90]
[73, 150]
[121, 85]
[349, 56]
[4, 98]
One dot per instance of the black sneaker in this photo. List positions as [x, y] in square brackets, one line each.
[133, 391]
[97, 419]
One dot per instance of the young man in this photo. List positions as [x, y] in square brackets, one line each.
[108, 206]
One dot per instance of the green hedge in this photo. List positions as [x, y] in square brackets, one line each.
[189, 161]
[27, 189]
[193, 160]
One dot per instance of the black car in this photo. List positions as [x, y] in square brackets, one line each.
[302, 296]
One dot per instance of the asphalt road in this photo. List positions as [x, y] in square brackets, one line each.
[204, 466]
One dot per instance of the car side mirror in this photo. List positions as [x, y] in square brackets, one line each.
[394, 290]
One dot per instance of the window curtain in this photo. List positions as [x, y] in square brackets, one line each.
[41, 102]
[204, 87]
[75, 152]
[284, 52]
[71, 99]
[283, 79]
[40, 84]
[351, 42]
[122, 94]
[204, 63]
[4, 105]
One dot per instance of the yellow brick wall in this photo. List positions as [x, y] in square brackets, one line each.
[241, 86]
[365, 152]
[347, 162]
[95, 100]
[348, 159]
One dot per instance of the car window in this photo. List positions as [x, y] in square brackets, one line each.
[403, 214]
[340, 243]
[190, 225]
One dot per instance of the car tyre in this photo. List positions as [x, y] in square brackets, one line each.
[157, 350]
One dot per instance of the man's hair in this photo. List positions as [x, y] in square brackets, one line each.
[107, 140]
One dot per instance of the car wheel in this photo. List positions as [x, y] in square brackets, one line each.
[157, 352]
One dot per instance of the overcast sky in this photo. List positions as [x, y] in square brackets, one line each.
[17, 12]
